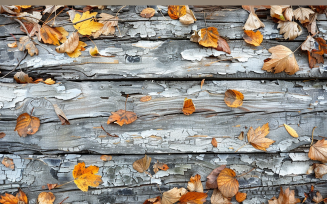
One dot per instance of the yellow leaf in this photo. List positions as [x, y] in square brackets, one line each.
[291, 131]
[86, 27]
[94, 51]
[85, 177]
[63, 32]
[77, 51]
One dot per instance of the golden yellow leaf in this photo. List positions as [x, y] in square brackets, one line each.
[209, 37]
[94, 51]
[253, 38]
[175, 11]
[89, 26]
[50, 35]
[77, 51]
[227, 183]
[85, 177]
[46, 198]
[63, 32]
[233, 98]
[291, 131]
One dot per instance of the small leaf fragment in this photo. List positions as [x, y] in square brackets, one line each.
[188, 18]
[320, 170]
[122, 117]
[214, 142]
[223, 45]
[2, 135]
[26, 43]
[46, 198]
[51, 186]
[202, 82]
[241, 136]
[77, 51]
[147, 12]
[173, 195]
[145, 98]
[291, 131]
[218, 198]
[158, 165]
[9, 163]
[61, 115]
[94, 51]
[106, 157]
[195, 184]
[12, 45]
[285, 197]
[240, 197]
[188, 106]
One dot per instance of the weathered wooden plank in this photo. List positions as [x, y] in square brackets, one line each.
[161, 127]
[122, 183]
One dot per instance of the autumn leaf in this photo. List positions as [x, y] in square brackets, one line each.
[175, 12]
[281, 59]
[12, 45]
[290, 30]
[212, 177]
[251, 8]
[310, 44]
[214, 142]
[85, 177]
[109, 22]
[2, 135]
[321, 9]
[223, 45]
[51, 186]
[240, 197]
[320, 170]
[302, 14]
[20, 198]
[257, 137]
[195, 184]
[69, 45]
[145, 98]
[253, 22]
[147, 12]
[77, 51]
[318, 151]
[291, 131]
[227, 183]
[193, 197]
[156, 200]
[9, 163]
[276, 11]
[27, 125]
[173, 195]
[26, 43]
[209, 37]
[288, 14]
[159, 165]
[46, 198]
[88, 26]
[7, 9]
[285, 197]
[233, 98]
[253, 38]
[188, 106]
[51, 8]
[241, 136]
[22, 78]
[94, 51]
[106, 157]
[143, 164]
[50, 35]
[202, 82]
[32, 28]
[188, 18]
[322, 46]
[218, 198]
[61, 115]
[122, 117]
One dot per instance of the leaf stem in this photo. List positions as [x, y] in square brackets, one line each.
[63, 184]
[312, 134]
[246, 172]
[242, 146]
[16, 65]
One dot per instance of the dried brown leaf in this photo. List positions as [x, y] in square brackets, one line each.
[193, 197]
[147, 12]
[159, 165]
[285, 197]
[227, 183]
[302, 14]
[109, 22]
[291, 30]
[26, 43]
[318, 151]
[188, 107]
[214, 142]
[122, 117]
[22, 78]
[69, 45]
[173, 195]
[253, 22]
[223, 45]
[143, 164]
[9, 163]
[188, 18]
[46, 198]
[2, 135]
[288, 14]
[212, 177]
[27, 125]
[257, 138]
[241, 136]
[320, 170]
[145, 98]
[240, 197]
[51, 186]
[195, 184]
[218, 198]
[61, 115]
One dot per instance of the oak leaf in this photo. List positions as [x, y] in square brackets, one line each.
[26, 43]
[143, 164]
[188, 18]
[50, 35]
[175, 12]
[159, 165]
[209, 37]
[253, 38]
[227, 183]
[69, 45]
[320, 170]
[94, 51]
[85, 177]
[27, 125]
[233, 98]
[195, 184]
[212, 177]
[9, 163]
[253, 22]
[188, 106]
[46, 198]
[20, 198]
[109, 22]
[61, 115]
[122, 117]
[281, 59]
[214, 142]
[240, 197]
[257, 137]
[218, 198]
[145, 98]
[291, 131]
[302, 13]
[77, 51]
[223, 45]
[106, 157]
[88, 26]
[290, 30]
[173, 195]
[156, 200]
[22, 78]
[318, 151]
[285, 197]
[147, 12]
[193, 197]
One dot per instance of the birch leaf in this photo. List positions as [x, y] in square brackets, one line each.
[291, 131]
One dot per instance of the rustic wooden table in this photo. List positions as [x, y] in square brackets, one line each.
[155, 57]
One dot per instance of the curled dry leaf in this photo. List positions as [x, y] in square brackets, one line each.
[208, 37]
[241, 136]
[143, 164]
[223, 45]
[10, 199]
[51, 8]
[253, 22]
[88, 26]
[12, 45]
[175, 12]
[291, 131]
[310, 170]
[173, 195]
[276, 11]
[188, 18]
[281, 59]
[202, 82]
[26, 43]
[46, 198]
[195, 184]
[49, 81]
[257, 137]
[147, 12]
[218, 198]
[251, 8]
[2, 135]
[193, 197]
[188, 106]
[106, 157]
[51, 186]
[214, 142]
[240, 197]
[27, 125]
[94, 51]
[285, 197]
[145, 98]
[77, 51]
[321, 9]
[227, 183]
[212, 177]
[50, 35]
[288, 14]
[253, 38]
[156, 200]
[122, 117]
[9, 163]
[61, 115]
[32, 29]
[233, 98]
[318, 151]
[22, 78]
[69, 45]
[7, 9]
[290, 30]
[310, 44]
[320, 170]
[159, 165]
[303, 14]
[85, 177]
[109, 22]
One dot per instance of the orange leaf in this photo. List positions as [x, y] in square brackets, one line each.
[12, 45]
[8, 163]
[209, 37]
[27, 125]
[253, 38]
[202, 82]
[145, 98]
[214, 142]
[195, 184]
[193, 197]
[77, 51]
[212, 177]
[106, 157]
[46, 198]
[143, 164]
[159, 165]
[233, 98]
[188, 106]
[240, 197]
[2, 135]
[175, 11]
[85, 177]
[51, 186]
[223, 45]
[257, 138]
[322, 46]
[318, 151]
[147, 12]
[153, 200]
[122, 117]
[50, 35]
[287, 197]
[227, 183]
[10, 199]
